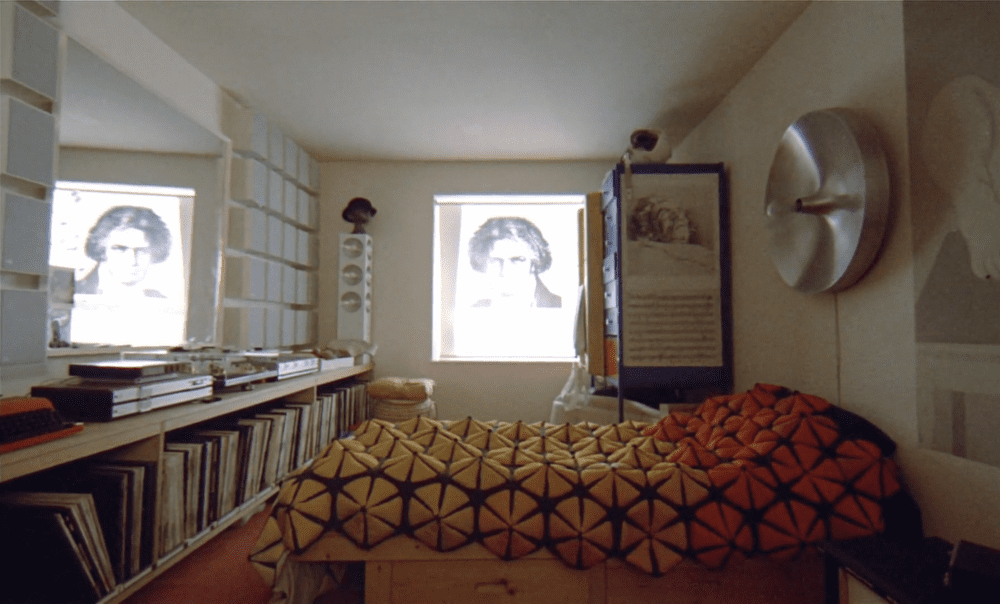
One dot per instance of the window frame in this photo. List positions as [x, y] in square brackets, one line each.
[180, 226]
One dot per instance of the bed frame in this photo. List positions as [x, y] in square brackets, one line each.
[404, 571]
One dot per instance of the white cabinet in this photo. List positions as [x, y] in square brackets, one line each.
[290, 242]
[276, 191]
[274, 281]
[249, 181]
[247, 229]
[247, 130]
[29, 142]
[246, 277]
[22, 340]
[25, 234]
[291, 200]
[275, 236]
[275, 147]
[272, 222]
[29, 51]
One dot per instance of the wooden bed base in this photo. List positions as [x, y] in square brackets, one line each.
[404, 571]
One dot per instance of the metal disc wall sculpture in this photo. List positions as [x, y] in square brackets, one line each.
[827, 201]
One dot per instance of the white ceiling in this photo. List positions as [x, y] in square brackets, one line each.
[472, 80]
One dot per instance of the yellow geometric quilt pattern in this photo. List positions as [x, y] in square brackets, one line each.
[759, 473]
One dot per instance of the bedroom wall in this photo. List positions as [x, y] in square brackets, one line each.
[402, 193]
[855, 348]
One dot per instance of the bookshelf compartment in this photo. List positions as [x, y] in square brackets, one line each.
[275, 191]
[303, 164]
[275, 147]
[30, 48]
[23, 313]
[274, 281]
[24, 250]
[247, 229]
[290, 243]
[275, 234]
[29, 151]
[291, 200]
[247, 129]
[246, 277]
[249, 181]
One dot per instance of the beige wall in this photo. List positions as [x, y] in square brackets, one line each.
[402, 193]
[857, 347]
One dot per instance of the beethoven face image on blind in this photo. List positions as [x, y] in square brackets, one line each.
[125, 241]
[512, 253]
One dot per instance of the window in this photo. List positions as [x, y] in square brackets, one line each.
[506, 277]
[129, 250]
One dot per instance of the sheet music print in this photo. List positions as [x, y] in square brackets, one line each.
[672, 329]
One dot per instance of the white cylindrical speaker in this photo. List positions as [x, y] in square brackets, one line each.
[354, 291]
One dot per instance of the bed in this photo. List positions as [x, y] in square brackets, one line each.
[732, 494]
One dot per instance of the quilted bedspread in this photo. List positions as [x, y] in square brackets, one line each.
[764, 473]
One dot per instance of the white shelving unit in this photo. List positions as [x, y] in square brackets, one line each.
[31, 48]
[271, 252]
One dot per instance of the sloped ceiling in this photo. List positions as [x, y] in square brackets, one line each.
[104, 109]
[415, 80]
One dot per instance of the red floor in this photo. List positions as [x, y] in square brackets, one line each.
[217, 573]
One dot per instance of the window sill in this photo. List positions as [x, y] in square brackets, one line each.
[506, 360]
[86, 351]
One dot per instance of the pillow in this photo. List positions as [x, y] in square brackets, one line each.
[409, 389]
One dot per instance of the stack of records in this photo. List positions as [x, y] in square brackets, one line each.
[55, 549]
[107, 390]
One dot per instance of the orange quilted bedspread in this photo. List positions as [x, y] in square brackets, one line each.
[765, 472]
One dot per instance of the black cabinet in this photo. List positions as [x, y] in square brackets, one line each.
[667, 280]
[877, 569]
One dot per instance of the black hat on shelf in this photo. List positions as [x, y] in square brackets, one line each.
[358, 211]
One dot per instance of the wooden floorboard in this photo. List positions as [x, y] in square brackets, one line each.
[217, 573]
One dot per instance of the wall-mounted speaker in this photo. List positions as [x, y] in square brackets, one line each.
[354, 291]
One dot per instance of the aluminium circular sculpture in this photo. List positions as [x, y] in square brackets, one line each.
[827, 201]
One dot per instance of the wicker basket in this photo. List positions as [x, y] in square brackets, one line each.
[397, 410]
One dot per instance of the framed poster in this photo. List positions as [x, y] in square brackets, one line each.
[672, 291]
[953, 106]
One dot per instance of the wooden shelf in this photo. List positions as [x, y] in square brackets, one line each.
[98, 437]
[143, 435]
